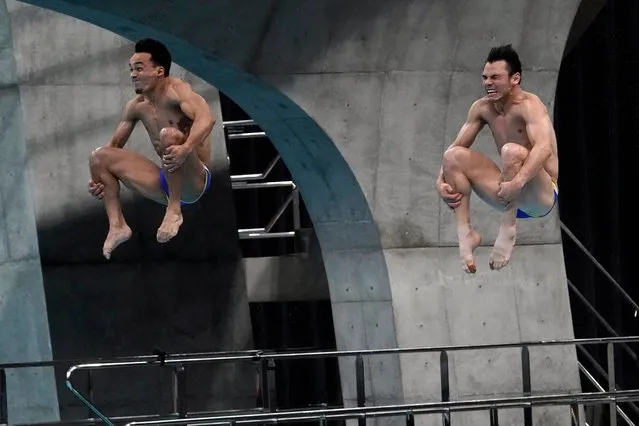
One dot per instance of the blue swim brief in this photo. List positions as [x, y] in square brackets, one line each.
[165, 185]
[523, 215]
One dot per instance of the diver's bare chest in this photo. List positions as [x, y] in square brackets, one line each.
[156, 118]
[508, 128]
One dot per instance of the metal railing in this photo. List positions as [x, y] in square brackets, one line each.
[409, 411]
[258, 181]
[181, 415]
[600, 388]
[593, 311]
[603, 270]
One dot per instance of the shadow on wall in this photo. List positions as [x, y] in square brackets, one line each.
[184, 296]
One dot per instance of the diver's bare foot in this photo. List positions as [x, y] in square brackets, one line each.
[170, 226]
[503, 248]
[469, 239]
[116, 236]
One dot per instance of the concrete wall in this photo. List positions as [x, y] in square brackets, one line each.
[24, 328]
[390, 85]
[299, 277]
[185, 296]
[360, 296]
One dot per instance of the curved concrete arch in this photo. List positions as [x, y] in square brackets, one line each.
[405, 75]
[345, 228]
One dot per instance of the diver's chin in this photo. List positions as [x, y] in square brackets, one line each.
[138, 91]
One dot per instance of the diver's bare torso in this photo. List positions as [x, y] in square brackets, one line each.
[509, 126]
[166, 112]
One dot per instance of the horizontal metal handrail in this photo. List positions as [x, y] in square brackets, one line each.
[238, 123]
[404, 409]
[256, 356]
[265, 357]
[262, 235]
[64, 362]
[249, 135]
[257, 176]
[272, 184]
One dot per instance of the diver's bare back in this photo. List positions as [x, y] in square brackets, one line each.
[166, 112]
[510, 127]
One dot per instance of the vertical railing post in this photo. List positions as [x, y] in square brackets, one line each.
[494, 416]
[445, 384]
[526, 385]
[266, 394]
[575, 412]
[361, 386]
[410, 418]
[612, 385]
[296, 210]
[90, 390]
[179, 391]
[4, 415]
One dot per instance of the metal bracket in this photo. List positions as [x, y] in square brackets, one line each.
[248, 181]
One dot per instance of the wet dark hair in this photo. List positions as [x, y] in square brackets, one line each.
[160, 55]
[508, 54]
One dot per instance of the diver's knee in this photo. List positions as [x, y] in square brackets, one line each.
[512, 153]
[455, 156]
[171, 136]
[96, 158]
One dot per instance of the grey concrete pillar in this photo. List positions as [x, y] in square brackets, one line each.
[24, 328]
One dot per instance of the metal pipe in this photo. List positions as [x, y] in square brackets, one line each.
[296, 209]
[402, 409]
[410, 419]
[610, 349]
[574, 408]
[264, 385]
[360, 383]
[275, 184]
[249, 135]
[444, 378]
[70, 362]
[599, 266]
[258, 235]
[180, 394]
[603, 373]
[592, 380]
[601, 319]
[494, 416]
[201, 358]
[156, 362]
[280, 211]
[257, 176]
[255, 356]
[237, 123]
[4, 415]
[323, 354]
[526, 383]
[250, 230]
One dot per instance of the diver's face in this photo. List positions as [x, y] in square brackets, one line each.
[497, 82]
[145, 75]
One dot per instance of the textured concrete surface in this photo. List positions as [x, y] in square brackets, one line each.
[287, 278]
[24, 326]
[389, 84]
[185, 296]
[342, 219]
